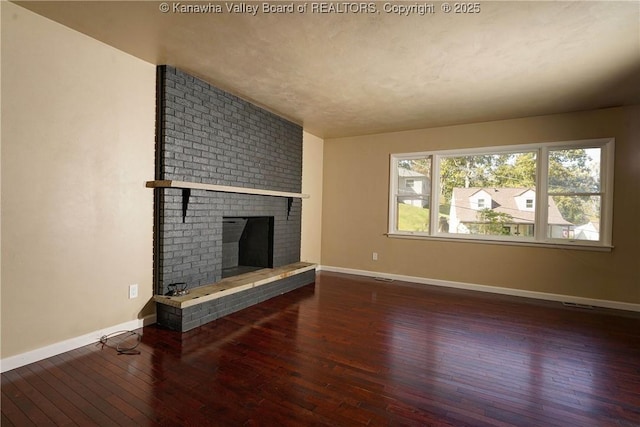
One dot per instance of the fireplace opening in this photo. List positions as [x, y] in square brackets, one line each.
[247, 244]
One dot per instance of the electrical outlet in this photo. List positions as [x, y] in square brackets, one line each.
[133, 291]
[375, 256]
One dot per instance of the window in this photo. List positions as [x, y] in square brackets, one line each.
[552, 193]
[574, 188]
[411, 202]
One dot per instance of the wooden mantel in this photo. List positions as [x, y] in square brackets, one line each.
[187, 186]
[222, 188]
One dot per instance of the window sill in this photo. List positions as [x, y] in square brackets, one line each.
[548, 245]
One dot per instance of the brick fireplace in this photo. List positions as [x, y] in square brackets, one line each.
[207, 136]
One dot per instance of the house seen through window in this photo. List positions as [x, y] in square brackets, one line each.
[496, 193]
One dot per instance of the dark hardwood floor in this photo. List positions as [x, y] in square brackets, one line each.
[353, 351]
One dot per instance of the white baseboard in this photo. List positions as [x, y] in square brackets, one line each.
[617, 305]
[36, 355]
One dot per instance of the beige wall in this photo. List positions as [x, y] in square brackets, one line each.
[77, 146]
[312, 148]
[355, 211]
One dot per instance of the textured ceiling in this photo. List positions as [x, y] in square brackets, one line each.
[342, 74]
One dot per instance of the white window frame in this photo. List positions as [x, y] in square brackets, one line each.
[607, 146]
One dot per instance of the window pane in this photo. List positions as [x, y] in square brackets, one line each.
[574, 217]
[413, 194]
[574, 171]
[412, 216]
[491, 194]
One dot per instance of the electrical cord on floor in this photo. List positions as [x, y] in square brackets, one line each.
[120, 346]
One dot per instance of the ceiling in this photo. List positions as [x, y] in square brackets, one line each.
[344, 74]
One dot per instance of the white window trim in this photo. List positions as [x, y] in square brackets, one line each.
[540, 238]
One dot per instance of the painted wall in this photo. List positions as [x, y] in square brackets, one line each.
[312, 155]
[355, 211]
[77, 146]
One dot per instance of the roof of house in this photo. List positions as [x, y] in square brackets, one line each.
[503, 201]
[404, 172]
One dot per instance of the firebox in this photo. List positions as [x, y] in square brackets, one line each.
[247, 244]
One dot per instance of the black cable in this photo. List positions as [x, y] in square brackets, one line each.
[119, 345]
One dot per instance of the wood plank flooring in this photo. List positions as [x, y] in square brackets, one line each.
[352, 351]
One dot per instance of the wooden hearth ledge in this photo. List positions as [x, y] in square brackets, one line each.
[234, 284]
